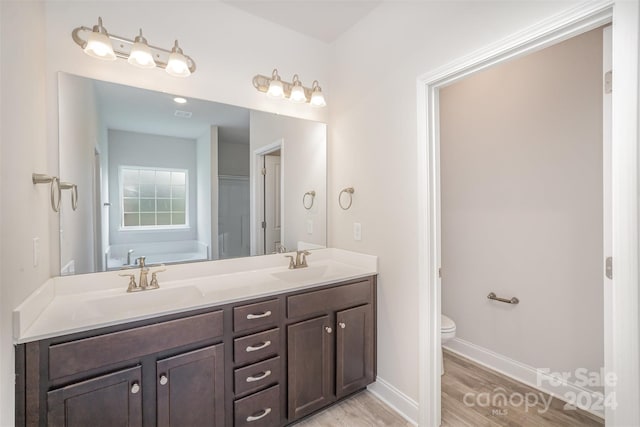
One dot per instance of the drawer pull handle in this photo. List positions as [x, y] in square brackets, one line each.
[342, 325]
[258, 347]
[259, 316]
[135, 388]
[255, 378]
[163, 379]
[328, 329]
[265, 412]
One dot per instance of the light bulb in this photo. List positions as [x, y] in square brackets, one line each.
[276, 89]
[98, 44]
[177, 65]
[317, 98]
[297, 91]
[141, 55]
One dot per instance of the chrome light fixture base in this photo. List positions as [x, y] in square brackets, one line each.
[122, 46]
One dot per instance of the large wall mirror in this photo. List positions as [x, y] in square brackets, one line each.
[182, 182]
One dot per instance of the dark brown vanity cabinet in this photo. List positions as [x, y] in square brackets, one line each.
[190, 389]
[264, 362]
[330, 356]
[109, 400]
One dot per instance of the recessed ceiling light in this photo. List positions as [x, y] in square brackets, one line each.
[179, 100]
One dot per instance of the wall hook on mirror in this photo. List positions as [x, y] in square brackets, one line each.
[74, 193]
[54, 181]
[349, 191]
[311, 195]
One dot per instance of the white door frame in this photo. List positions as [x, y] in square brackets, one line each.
[624, 329]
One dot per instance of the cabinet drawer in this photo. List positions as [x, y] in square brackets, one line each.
[255, 347]
[256, 376]
[261, 409]
[331, 299]
[260, 314]
[90, 353]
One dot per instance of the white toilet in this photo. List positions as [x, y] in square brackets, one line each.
[447, 331]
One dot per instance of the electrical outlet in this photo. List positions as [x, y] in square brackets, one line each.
[357, 231]
[36, 251]
[309, 226]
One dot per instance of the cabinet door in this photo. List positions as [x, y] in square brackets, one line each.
[110, 400]
[309, 366]
[354, 349]
[190, 388]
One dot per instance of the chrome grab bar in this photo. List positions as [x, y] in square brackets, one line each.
[513, 300]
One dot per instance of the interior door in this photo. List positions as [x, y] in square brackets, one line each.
[272, 203]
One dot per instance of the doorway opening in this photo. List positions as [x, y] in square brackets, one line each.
[562, 27]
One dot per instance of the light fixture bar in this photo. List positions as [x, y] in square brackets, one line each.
[122, 48]
[261, 83]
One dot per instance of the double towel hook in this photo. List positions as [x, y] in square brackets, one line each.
[56, 190]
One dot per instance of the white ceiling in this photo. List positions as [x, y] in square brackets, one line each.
[145, 111]
[324, 20]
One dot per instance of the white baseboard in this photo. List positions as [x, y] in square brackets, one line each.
[400, 402]
[523, 373]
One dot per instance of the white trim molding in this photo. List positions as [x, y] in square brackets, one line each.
[397, 400]
[625, 325]
[526, 374]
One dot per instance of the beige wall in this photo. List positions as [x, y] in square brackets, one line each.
[521, 164]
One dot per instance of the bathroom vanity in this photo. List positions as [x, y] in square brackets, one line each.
[254, 346]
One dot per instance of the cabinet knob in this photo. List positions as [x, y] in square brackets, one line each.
[163, 379]
[342, 325]
[328, 329]
[135, 387]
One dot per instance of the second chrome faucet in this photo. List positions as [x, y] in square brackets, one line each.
[300, 260]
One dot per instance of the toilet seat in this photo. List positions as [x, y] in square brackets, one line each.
[446, 324]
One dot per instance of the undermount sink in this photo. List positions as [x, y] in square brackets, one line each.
[146, 300]
[313, 272]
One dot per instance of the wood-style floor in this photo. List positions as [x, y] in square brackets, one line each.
[360, 410]
[461, 376]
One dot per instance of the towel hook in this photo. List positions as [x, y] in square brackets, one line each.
[349, 191]
[311, 194]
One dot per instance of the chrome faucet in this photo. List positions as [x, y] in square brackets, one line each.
[300, 260]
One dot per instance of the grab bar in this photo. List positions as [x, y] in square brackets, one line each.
[513, 300]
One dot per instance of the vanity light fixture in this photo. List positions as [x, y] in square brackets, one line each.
[274, 87]
[141, 55]
[317, 98]
[98, 43]
[297, 91]
[179, 100]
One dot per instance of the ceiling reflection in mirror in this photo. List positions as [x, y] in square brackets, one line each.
[182, 182]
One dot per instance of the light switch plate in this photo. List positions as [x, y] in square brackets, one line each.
[357, 231]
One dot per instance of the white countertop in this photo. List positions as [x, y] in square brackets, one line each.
[64, 305]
